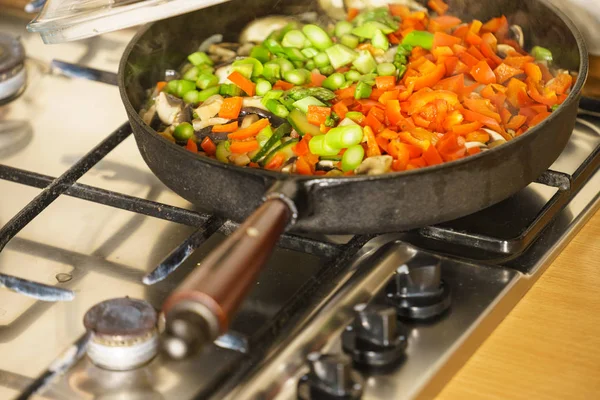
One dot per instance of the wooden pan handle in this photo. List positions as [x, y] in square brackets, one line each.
[200, 309]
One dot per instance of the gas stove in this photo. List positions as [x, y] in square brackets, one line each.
[391, 316]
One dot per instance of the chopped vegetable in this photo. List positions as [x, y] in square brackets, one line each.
[445, 90]
[183, 132]
[231, 108]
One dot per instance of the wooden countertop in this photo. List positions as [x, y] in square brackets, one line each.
[548, 347]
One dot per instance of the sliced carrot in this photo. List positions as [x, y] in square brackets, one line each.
[431, 156]
[250, 131]
[340, 109]
[192, 146]
[352, 13]
[443, 39]
[160, 86]
[243, 83]
[231, 107]
[226, 128]
[283, 85]
[482, 73]
[303, 167]
[276, 161]
[478, 136]
[318, 115]
[385, 82]
[208, 146]
[243, 147]
[466, 128]
[516, 122]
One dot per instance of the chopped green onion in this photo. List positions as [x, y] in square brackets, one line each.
[352, 158]
[207, 80]
[297, 76]
[262, 87]
[183, 132]
[191, 97]
[363, 90]
[555, 107]
[344, 136]
[277, 108]
[261, 53]
[319, 147]
[541, 54]
[230, 90]
[350, 41]
[365, 63]
[192, 74]
[340, 55]
[293, 54]
[422, 39]
[380, 41]
[353, 76]
[310, 52]
[200, 58]
[317, 36]
[328, 70]
[298, 64]
[386, 69]
[257, 67]
[303, 104]
[342, 28]
[310, 65]
[272, 71]
[367, 31]
[404, 50]
[294, 38]
[334, 81]
[321, 59]
[205, 94]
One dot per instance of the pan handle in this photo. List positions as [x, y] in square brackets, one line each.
[200, 309]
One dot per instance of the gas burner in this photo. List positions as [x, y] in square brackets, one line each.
[13, 74]
[124, 334]
[331, 377]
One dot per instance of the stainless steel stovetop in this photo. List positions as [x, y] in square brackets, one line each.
[311, 291]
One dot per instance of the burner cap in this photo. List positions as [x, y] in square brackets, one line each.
[121, 317]
[12, 67]
[124, 334]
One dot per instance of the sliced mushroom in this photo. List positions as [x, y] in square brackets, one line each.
[248, 120]
[496, 143]
[504, 50]
[325, 165]
[517, 34]
[239, 159]
[168, 108]
[494, 135]
[209, 108]
[245, 49]
[223, 72]
[374, 166]
[253, 102]
[289, 166]
[148, 115]
[222, 51]
[186, 114]
[214, 39]
[200, 124]
[258, 30]
[469, 145]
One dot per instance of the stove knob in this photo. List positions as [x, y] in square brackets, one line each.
[417, 290]
[331, 377]
[376, 339]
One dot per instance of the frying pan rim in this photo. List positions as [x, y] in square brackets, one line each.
[574, 95]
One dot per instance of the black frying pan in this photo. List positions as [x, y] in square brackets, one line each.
[205, 302]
